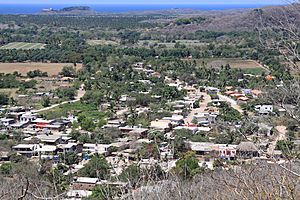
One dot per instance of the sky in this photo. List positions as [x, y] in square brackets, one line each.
[146, 2]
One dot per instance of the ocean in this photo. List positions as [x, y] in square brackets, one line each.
[33, 9]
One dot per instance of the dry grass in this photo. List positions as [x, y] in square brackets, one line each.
[234, 63]
[51, 68]
[102, 42]
[9, 91]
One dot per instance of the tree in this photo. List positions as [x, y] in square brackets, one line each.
[187, 166]
[195, 121]
[68, 71]
[4, 99]
[97, 167]
[45, 101]
[5, 168]
[131, 174]
[87, 124]
[103, 192]
[71, 158]
[36, 73]
[287, 147]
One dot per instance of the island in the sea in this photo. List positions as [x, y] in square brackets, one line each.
[74, 10]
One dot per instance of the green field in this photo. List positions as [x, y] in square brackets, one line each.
[23, 46]
[101, 42]
[74, 108]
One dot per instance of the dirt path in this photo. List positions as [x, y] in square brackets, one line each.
[265, 67]
[80, 94]
[281, 136]
[232, 102]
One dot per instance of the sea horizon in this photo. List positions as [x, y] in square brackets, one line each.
[118, 8]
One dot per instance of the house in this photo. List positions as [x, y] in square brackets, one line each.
[95, 148]
[25, 149]
[265, 130]
[163, 125]
[256, 93]
[18, 125]
[138, 133]
[50, 139]
[242, 100]
[212, 90]
[4, 156]
[180, 104]
[15, 115]
[69, 147]
[114, 123]
[247, 150]
[226, 151]
[223, 151]
[41, 123]
[175, 119]
[205, 118]
[190, 90]
[84, 183]
[50, 126]
[264, 109]
[246, 91]
[46, 151]
[28, 117]
[78, 194]
[139, 64]
[7, 121]
[201, 148]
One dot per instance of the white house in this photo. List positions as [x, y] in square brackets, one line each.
[46, 151]
[28, 117]
[25, 149]
[7, 121]
[205, 118]
[95, 148]
[264, 109]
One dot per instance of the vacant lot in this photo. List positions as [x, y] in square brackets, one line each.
[11, 92]
[23, 46]
[102, 42]
[51, 68]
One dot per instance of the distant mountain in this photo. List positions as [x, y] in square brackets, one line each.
[74, 10]
[225, 20]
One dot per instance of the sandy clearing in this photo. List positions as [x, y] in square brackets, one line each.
[51, 68]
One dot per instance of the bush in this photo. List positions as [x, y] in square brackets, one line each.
[5, 168]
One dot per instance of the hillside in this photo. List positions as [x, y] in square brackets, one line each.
[223, 21]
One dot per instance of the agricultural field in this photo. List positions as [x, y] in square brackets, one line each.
[102, 42]
[23, 46]
[233, 62]
[247, 66]
[51, 68]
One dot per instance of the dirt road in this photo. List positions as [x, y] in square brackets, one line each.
[203, 106]
[80, 94]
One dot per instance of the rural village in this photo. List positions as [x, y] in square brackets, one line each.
[168, 104]
[195, 117]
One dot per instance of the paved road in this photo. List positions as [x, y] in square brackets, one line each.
[80, 94]
[203, 106]
[232, 102]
